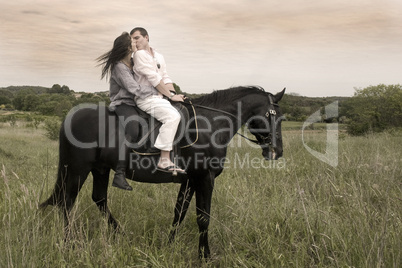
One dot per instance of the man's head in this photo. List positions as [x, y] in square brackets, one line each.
[140, 37]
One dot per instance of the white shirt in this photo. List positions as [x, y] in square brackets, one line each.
[150, 71]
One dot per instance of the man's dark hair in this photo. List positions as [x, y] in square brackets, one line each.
[142, 31]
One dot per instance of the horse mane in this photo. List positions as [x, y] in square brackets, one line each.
[218, 97]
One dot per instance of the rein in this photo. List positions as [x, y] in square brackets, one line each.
[209, 108]
[219, 111]
[270, 114]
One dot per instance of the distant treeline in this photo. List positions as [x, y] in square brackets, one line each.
[57, 100]
[374, 108]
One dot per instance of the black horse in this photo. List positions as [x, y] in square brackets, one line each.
[88, 144]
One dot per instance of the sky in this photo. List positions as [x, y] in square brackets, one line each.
[312, 47]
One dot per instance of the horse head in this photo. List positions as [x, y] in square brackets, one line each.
[265, 125]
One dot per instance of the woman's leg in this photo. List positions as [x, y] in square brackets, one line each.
[128, 115]
[130, 127]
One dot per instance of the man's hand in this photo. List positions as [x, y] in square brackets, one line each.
[178, 97]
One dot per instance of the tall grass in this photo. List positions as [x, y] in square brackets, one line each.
[299, 212]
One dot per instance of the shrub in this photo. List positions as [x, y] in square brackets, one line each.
[36, 121]
[12, 119]
[52, 127]
[374, 109]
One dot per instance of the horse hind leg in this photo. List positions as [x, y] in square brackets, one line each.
[73, 184]
[99, 194]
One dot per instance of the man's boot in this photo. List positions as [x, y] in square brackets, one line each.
[119, 179]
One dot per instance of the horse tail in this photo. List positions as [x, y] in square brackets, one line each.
[58, 195]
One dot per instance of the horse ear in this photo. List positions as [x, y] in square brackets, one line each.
[278, 96]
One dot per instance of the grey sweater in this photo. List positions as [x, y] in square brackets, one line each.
[123, 87]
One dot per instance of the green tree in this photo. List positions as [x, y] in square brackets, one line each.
[47, 108]
[65, 90]
[6, 93]
[62, 108]
[4, 100]
[92, 98]
[56, 88]
[31, 102]
[19, 100]
[374, 109]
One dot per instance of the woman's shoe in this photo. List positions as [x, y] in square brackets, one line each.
[120, 181]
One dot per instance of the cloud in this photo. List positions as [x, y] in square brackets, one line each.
[31, 12]
[215, 43]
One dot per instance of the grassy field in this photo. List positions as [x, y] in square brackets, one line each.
[298, 212]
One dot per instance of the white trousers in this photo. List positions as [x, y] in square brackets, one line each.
[163, 111]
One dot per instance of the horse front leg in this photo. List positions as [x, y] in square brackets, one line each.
[183, 201]
[204, 189]
[99, 194]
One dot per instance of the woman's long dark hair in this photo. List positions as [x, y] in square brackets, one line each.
[121, 47]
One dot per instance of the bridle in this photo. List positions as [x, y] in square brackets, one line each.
[268, 141]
